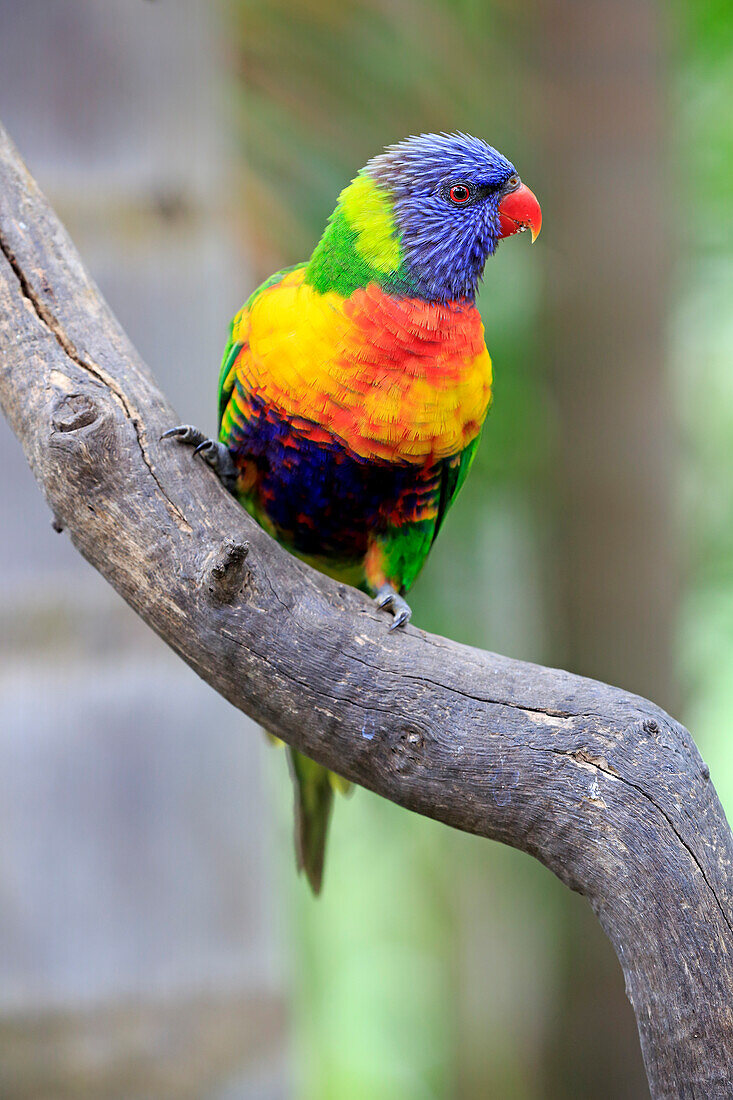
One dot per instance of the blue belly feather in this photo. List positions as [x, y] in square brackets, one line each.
[320, 497]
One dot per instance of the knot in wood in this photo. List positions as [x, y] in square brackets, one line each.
[407, 747]
[229, 573]
[74, 411]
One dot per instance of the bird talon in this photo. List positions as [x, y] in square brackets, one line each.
[390, 600]
[401, 619]
[216, 455]
[185, 433]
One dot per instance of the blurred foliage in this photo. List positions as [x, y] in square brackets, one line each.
[704, 92]
[702, 363]
[327, 85]
[427, 968]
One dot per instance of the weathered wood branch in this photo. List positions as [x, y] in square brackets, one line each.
[604, 788]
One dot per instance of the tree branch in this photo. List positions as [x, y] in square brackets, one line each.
[604, 788]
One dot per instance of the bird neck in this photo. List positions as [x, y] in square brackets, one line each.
[360, 245]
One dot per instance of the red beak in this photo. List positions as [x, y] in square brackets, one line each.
[520, 210]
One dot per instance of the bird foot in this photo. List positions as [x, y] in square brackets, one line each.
[387, 598]
[216, 455]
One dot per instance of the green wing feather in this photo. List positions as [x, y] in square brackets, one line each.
[453, 475]
[226, 379]
[407, 545]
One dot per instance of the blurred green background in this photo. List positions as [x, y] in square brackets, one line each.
[595, 531]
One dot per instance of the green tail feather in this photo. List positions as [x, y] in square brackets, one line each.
[314, 787]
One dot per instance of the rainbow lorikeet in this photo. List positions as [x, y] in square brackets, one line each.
[354, 387]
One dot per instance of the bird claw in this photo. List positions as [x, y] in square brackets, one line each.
[185, 433]
[390, 600]
[215, 454]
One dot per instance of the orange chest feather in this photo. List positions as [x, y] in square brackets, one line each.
[396, 379]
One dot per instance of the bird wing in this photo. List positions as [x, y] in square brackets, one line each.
[452, 476]
[413, 525]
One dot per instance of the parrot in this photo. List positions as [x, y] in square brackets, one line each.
[354, 386]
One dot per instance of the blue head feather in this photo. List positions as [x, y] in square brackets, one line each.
[444, 245]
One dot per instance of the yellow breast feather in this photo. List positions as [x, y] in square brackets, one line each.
[396, 379]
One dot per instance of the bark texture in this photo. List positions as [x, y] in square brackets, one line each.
[604, 788]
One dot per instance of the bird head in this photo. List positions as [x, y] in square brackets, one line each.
[452, 198]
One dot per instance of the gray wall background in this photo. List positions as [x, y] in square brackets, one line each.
[140, 941]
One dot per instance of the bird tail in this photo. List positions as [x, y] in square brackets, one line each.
[314, 787]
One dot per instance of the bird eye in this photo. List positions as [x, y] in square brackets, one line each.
[513, 182]
[459, 194]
